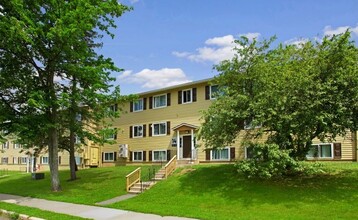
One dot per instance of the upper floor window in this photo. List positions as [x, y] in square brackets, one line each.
[160, 101]
[187, 96]
[138, 131]
[16, 145]
[214, 91]
[5, 145]
[138, 105]
[111, 134]
[113, 108]
[159, 129]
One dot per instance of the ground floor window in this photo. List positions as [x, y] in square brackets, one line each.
[220, 154]
[15, 160]
[249, 152]
[109, 156]
[321, 151]
[78, 160]
[4, 160]
[23, 160]
[44, 160]
[159, 155]
[138, 156]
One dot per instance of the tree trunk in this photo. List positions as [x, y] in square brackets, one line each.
[72, 156]
[53, 159]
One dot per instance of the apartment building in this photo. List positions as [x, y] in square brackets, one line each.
[165, 122]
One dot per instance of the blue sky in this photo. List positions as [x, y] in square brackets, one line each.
[166, 42]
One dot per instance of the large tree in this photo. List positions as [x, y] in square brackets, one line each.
[44, 46]
[292, 94]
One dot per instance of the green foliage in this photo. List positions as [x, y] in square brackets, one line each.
[269, 161]
[14, 216]
[291, 94]
[49, 63]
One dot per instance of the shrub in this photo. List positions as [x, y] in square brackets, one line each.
[269, 161]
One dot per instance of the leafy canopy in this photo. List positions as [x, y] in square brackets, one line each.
[289, 94]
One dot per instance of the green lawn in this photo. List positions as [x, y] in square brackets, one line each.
[218, 192]
[33, 212]
[94, 185]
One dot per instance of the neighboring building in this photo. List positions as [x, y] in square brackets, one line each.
[164, 122]
[160, 124]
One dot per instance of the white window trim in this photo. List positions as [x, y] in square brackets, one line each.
[104, 156]
[228, 159]
[165, 130]
[17, 145]
[15, 160]
[42, 160]
[7, 160]
[166, 98]
[246, 153]
[22, 161]
[134, 132]
[164, 159]
[138, 151]
[113, 134]
[319, 157]
[140, 110]
[191, 96]
[211, 93]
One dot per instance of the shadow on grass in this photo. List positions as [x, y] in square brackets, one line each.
[224, 181]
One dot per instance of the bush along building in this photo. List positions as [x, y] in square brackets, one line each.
[165, 122]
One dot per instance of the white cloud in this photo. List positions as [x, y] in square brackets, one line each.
[251, 36]
[155, 79]
[296, 41]
[216, 49]
[329, 31]
[133, 1]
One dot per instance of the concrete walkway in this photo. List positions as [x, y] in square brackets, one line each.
[84, 211]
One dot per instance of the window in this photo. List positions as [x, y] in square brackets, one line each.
[23, 160]
[113, 108]
[159, 129]
[78, 160]
[15, 160]
[159, 155]
[44, 160]
[187, 96]
[77, 140]
[16, 145]
[249, 152]
[108, 156]
[220, 154]
[213, 91]
[138, 105]
[321, 151]
[4, 160]
[111, 134]
[138, 131]
[5, 145]
[160, 101]
[137, 155]
[248, 124]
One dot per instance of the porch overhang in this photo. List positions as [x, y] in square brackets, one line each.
[185, 127]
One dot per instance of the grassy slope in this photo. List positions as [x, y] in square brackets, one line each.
[218, 192]
[36, 212]
[94, 185]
